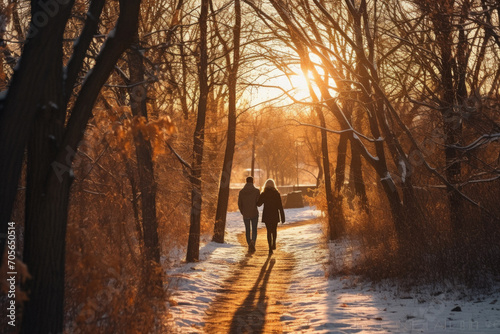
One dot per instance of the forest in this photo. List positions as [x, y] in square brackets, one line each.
[127, 128]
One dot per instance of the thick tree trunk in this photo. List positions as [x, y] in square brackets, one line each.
[51, 150]
[17, 111]
[44, 254]
[193, 249]
[47, 194]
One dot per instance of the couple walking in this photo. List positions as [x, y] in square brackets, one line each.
[248, 200]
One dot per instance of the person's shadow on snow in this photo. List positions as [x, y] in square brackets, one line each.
[250, 317]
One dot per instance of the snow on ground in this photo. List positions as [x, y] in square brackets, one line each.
[316, 304]
[347, 305]
[196, 284]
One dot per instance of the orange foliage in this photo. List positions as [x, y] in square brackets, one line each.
[155, 131]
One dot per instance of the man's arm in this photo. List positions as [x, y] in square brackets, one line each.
[260, 199]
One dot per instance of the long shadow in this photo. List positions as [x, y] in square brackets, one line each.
[250, 317]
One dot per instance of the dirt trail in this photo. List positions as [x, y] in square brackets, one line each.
[251, 300]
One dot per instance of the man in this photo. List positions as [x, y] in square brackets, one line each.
[247, 203]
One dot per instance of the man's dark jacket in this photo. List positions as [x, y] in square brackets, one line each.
[247, 201]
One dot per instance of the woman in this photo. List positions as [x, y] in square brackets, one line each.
[273, 209]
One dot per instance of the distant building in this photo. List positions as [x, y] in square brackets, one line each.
[258, 176]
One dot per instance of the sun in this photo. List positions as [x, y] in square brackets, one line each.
[299, 82]
[293, 82]
[289, 78]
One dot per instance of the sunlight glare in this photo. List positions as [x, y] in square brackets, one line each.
[291, 80]
[295, 83]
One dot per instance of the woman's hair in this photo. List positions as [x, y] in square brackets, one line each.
[270, 184]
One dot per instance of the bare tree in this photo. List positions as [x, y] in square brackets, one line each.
[193, 249]
[232, 68]
[34, 111]
[147, 183]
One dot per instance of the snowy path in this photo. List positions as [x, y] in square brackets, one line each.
[251, 300]
[311, 303]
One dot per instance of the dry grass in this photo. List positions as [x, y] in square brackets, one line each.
[107, 288]
[436, 256]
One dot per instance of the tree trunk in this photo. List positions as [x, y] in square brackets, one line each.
[193, 249]
[223, 197]
[135, 202]
[252, 164]
[441, 14]
[51, 150]
[184, 68]
[376, 121]
[451, 120]
[255, 134]
[47, 195]
[335, 211]
[143, 149]
[319, 178]
[341, 158]
[356, 177]
[17, 111]
[44, 254]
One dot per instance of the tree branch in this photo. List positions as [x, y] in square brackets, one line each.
[117, 42]
[81, 46]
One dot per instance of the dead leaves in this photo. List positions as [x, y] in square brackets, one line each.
[156, 132]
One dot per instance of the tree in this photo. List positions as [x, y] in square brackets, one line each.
[193, 249]
[232, 68]
[33, 113]
[304, 44]
[144, 153]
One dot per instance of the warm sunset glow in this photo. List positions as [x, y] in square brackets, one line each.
[246, 166]
[293, 82]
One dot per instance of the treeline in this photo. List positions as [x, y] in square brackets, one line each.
[113, 119]
[413, 87]
[122, 123]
